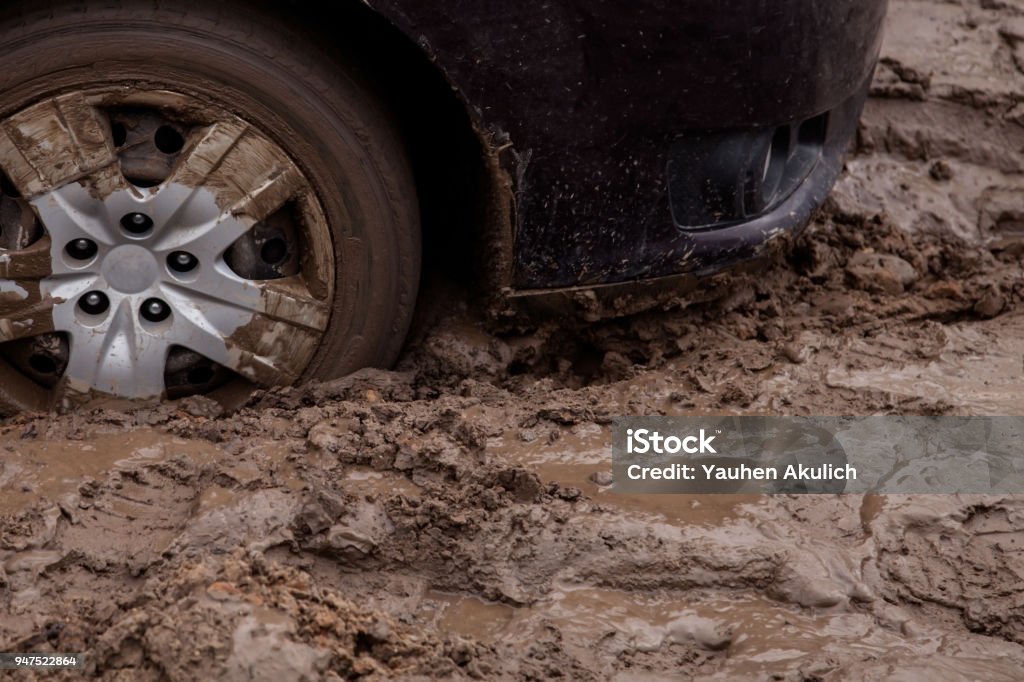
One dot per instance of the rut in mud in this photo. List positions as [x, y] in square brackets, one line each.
[452, 517]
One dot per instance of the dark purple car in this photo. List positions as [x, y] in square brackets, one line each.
[204, 197]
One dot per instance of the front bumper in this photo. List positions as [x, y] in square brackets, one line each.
[682, 177]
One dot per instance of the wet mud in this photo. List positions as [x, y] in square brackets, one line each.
[453, 519]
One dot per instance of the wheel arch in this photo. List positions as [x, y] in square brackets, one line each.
[466, 195]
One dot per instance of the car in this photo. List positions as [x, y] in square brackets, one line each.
[201, 198]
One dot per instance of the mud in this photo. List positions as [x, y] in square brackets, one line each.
[452, 518]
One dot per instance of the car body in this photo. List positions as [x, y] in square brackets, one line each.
[239, 193]
[630, 129]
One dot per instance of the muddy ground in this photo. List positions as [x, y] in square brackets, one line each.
[447, 519]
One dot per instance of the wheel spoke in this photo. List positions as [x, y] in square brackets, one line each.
[210, 238]
[248, 174]
[271, 352]
[55, 142]
[21, 319]
[238, 331]
[117, 357]
[209, 147]
[261, 370]
[206, 328]
[285, 300]
[198, 331]
[270, 194]
[289, 300]
[64, 290]
[211, 315]
[32, 263]
[71, 212]
[29, 308]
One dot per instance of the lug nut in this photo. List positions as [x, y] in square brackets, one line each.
[94, 303]
[81, 249]
[155, 310]
[137, 223]
[181, 261]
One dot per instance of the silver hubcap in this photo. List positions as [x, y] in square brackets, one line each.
[123, 349]
[135, 273]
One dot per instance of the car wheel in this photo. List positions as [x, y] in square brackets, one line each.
[194, 200]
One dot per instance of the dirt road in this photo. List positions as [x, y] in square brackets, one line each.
[451, 518]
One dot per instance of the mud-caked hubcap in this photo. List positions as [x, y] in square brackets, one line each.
[155, 272]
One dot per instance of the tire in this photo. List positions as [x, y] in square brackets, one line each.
[236, 59]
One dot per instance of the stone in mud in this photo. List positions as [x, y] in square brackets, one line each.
[880, 273]
[524, 485]
[990, 304]
[360, 532]
[795, 353]
[201, 406]
[941, 171]
[945, 289]
[707, 633]
[342, 539]
[602, 478]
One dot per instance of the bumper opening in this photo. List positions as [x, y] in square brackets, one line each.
[723, 178]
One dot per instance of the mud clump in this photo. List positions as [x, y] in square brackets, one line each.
[880, 272]
[452, 519]
[229, 618]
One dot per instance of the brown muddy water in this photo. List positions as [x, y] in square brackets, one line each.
[451, 519]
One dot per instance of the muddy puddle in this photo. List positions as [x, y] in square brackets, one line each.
[748, 637]
[32, 469]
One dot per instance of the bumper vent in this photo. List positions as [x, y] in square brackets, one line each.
[722, 178]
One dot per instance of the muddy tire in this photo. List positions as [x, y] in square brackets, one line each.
[207, 68]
